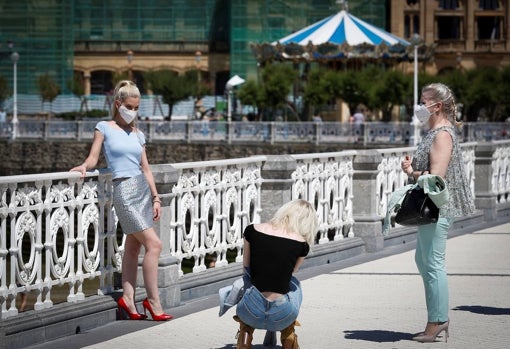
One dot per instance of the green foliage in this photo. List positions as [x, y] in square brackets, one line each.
[271, 95]
[353, 89]
[277, 82]
[76, 84]
[390, 88]
[197, 87]
[504, 90]
[48, 88]
[482, 94]
[171, 86]
[251, 94]
[5, 92]
[314, 93]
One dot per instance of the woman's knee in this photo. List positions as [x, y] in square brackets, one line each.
[154, 245]
[132, 247]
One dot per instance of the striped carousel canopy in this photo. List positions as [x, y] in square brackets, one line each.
[342, 28]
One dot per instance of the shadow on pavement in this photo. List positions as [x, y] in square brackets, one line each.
[378, 335]
[253, 346]
[480, 309]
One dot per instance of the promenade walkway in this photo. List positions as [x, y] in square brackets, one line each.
[370, 301]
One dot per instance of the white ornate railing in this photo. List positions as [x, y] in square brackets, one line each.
[389, 176]
[211, 204]
[52, 234]
[326, 180]
[57, 229]
[501, 172]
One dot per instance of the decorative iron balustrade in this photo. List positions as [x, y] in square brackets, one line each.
[68, 231]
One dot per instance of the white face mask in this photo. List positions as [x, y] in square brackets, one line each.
[126, 114]
[422, 112]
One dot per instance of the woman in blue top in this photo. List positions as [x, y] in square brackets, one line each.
[272, 252]
[439, 153]
[135, 198]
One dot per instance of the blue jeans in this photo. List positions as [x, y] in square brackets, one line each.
[258, 312]
[430, 260]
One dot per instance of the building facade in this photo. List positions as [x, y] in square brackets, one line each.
[98, 40]
[465, 33]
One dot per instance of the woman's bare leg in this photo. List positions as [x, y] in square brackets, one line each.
[129, 270]
[152, 244]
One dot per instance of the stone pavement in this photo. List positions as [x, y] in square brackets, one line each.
[371, 301]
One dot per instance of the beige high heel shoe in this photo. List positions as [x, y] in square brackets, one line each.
[424, 338]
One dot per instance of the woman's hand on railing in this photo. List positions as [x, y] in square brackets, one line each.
[82, 169]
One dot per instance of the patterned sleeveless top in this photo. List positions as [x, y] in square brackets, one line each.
[460, 202]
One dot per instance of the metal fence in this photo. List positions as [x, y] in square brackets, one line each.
[392, 133]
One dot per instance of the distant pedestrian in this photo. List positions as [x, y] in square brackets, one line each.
[358, 119]
[438, 153]
[3, 115]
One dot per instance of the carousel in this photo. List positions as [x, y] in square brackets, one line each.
[341, 39]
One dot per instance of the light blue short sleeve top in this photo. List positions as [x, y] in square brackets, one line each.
[122, 150]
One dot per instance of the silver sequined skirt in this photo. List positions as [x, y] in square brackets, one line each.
[133, 204]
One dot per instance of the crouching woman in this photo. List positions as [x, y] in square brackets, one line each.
[273, 251]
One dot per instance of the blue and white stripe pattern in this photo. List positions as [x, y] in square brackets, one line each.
[342, 28]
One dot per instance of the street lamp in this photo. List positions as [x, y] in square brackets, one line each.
[416, 41]
[198, 58]
[14, 59]
[130, 66]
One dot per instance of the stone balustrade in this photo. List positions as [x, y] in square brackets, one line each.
[57, 229]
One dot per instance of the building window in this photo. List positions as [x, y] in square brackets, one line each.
[488, 4]
[449, 4]
[448, 28]
[412, 2]
[411, 24]
[488, 28]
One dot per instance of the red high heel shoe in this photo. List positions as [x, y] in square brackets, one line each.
[162, 317]
[121, 304]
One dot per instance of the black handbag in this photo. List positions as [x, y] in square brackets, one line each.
[417, 208]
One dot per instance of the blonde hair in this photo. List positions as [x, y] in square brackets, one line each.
[124, 89]
[439, 92]
[297, 216]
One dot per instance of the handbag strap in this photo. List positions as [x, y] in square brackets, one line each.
[394, 203]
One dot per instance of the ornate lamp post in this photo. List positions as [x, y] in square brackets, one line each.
[416, 41]
[198, 58]
[14, 59]
[130, 65]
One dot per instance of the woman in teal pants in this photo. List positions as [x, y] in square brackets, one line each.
[438, 153]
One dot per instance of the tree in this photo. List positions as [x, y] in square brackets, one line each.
[482, 94]
[171, 86]
[76, 86]
[48, 88]
[251, 93]
[277, 82]
[352, 90]
[197, 87]
[4, 90]
[315, 94]
[386, 90]
[504, 93]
